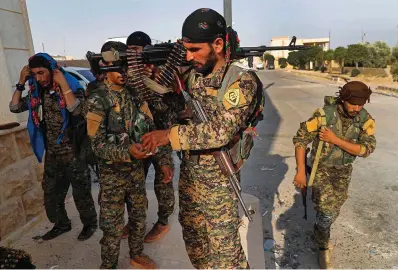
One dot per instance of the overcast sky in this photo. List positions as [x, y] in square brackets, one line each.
[80, 25]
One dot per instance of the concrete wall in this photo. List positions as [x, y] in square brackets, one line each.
[21, 198]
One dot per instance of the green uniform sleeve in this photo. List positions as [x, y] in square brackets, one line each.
[22, 106]
[308, 131]
[96, 129]
[223, 124]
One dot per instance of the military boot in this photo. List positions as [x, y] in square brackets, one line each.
[143, 261]
[325, 259]
[157, 232]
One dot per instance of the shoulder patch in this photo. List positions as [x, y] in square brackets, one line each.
[93, 123]
[234, 97]
[369, 127]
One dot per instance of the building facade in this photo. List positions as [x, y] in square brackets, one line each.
[285, 40]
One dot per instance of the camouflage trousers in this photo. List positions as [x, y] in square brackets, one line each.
[164, 192]
[61, 171]
[329, 193]
[209, 216]
[115, 187]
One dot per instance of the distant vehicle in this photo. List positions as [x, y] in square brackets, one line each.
[270, 64]
[83, 75]
[260, 66]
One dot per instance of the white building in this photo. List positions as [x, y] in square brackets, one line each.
[284, 41]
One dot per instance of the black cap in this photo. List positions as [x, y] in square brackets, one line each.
[203, 25]
[139, 38]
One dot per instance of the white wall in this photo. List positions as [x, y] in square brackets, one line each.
[16, 46]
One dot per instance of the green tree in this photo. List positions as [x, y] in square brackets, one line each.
[379, 54]
[297, 59]
[395, 53]
[315, 54]
[329, 57]
[268, 57]
[282, 61]
[357, 53]
[340, 55]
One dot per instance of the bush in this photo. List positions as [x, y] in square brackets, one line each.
[394, 71]
[316, 68]
[323, 69]
[355, 72]
[283, 66]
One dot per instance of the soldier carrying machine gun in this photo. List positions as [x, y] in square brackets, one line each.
[173, 56]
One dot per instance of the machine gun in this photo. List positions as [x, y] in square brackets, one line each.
[244, 52]
[173, 54]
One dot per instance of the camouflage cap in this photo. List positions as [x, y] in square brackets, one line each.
[203, 25]
[355, 92]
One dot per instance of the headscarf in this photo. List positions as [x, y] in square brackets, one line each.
[34, 102]
[355, 92]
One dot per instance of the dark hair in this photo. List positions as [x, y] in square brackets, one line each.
[139, 38]
[116, 45]
[39, 61]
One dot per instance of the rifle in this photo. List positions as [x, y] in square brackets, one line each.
[174, 55]
[222, 157]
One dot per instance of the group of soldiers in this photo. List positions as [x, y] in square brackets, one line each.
[127, 138]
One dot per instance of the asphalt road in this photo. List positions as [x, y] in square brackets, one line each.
[366, 233]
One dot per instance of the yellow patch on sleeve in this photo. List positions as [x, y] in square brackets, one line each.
[234, 97]
[93, 123]
[369, 127]
[145, 109]
[312, 125]
[211, 92]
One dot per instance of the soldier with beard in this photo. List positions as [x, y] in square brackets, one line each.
[208, 206]
[339, 132]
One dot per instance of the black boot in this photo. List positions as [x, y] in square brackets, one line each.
[87, 232]
[56, 231]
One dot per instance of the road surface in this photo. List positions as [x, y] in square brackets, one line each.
[366, 233]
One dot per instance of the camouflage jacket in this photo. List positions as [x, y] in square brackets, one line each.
[113, 129]
[225, 119]
[52, 121]
[309, 131]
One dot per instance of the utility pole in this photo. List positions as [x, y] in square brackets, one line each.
[397, 35]
[228, 12]
[42, 44]
[330, 42]
[363, 36]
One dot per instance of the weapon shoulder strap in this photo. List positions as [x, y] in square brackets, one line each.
[233, 74]
[319, 149]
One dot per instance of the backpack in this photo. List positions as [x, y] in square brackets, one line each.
[243, 143]
[80, 139]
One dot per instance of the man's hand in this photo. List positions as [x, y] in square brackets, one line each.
[151, 71]
[328, 136]
[137, 151]
[154, 139]
[300, 180]
[168, 173]
[25, 73]
[59, 79]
